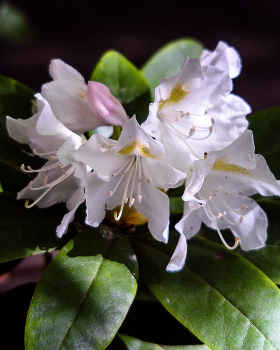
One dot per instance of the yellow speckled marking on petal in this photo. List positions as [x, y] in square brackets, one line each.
[175, 96]
[223, 165]
[143, 149]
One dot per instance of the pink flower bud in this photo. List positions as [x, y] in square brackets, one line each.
[104, 105]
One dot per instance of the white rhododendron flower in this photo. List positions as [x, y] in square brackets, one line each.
[61, 179]
[72, 103]
[224, 57]
[217, 193]
[131, 170]
[194, 112]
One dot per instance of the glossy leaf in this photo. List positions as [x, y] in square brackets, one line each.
[16, 102]
[125, 82]
[84, 294]
[176, 205]
[169, 59]
[31, 231]
[149, 321]
[265, 125]
[136, 344]
[221, 297]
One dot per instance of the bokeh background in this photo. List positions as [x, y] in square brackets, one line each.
[79, 32]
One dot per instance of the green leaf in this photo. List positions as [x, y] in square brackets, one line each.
[136, 344]
[84, 294]
[267, 258]
[15, 101]
[31, 231]
[14, 25]
[125, 82]
[176, 205]
[169, 59]
[221, 297]
[265, 125]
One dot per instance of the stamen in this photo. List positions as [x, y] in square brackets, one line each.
[37, 200]
[49, 167]
[223, 240]
[117, 217]
[69, 172]
[43, 154]
[130, 161]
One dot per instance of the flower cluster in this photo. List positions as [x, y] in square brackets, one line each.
[196, 133]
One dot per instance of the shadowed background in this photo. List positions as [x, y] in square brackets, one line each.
[78, 32]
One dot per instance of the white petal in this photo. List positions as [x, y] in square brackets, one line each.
[47, 123]
[24, 131]
[224, 57]
[191, 221]
[216, 85]
[96, 198]
[252, 232]
[161, 173]
[155, 207]
[178, 258]
[99, 153]
[73, 203]
[190, 77]
[62, 71]
[231, 108]
[69, 103]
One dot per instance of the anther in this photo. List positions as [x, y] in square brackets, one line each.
[205, 155]
[22, 167]
[34, 151]
[64, 172]
[148, 180]
[240, 192]
[110, 193]
[208, 199]
[246, 209]
[139, 199]
[29, 167]
[132, 200]
[205, 112]
[113, 174]
[192, 131]
[241, 219]
[126, 200]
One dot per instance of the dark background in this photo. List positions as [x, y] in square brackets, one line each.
[79, 32]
